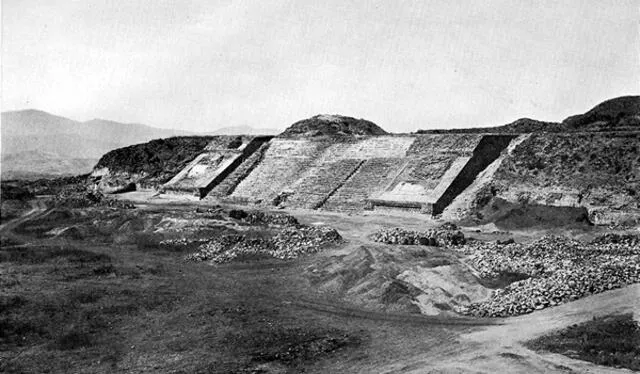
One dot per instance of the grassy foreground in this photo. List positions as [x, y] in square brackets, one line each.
[610, 341]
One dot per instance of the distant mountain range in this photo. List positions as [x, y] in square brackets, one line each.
[40, 144]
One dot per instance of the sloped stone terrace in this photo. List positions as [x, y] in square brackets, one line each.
[373, 176]
[458, 145]
[283, 163]
[320, 182]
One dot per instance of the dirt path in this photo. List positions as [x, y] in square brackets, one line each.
[495, 348]
[499, 349]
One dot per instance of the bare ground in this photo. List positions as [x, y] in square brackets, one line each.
[134, 308]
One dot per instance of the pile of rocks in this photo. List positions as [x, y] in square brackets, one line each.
[442, 236]
[289, 243]
[614, 238]
[559, 270]
[292, 242]
[262, 218]
[182, 241]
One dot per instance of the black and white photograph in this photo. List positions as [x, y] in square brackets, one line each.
[283, 187]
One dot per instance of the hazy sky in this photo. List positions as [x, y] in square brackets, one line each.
[201, 65]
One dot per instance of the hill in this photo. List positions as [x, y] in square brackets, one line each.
[618, 114]
[151, 163]
[519, 126]
[622, 113]
[332, 125]
[36, 143]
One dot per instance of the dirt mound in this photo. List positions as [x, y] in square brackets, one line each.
[513, 216]
[332, 125]
[425, 280]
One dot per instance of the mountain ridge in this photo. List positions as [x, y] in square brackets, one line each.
[38, 143]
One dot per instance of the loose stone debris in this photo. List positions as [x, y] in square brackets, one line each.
[559, 270]
[262, 218]
[446, 235]
[290, 242]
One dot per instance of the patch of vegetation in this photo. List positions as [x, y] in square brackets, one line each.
[293, 347]
[593, 163]
[52, 186]
[36, 255]
[74, 339]
[15, 191]
[610, 341]
[7, 242]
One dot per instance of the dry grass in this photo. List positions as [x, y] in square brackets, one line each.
[79, 305]
[610, 341]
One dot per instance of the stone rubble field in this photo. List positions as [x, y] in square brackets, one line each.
[445, 235]
[559, 270]
[288, 243]
[261, 218]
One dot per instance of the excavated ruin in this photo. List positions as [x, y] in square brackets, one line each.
[589, 163]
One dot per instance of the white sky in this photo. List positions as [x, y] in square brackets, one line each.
[201, 65]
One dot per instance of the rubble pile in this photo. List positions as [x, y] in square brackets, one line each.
[559, 270]
[77, 196]
[614, 238]
[289, 243]
[262, 218]
[181, 241]
[441, 237]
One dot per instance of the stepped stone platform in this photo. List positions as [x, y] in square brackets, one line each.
[229, 184]
[214, 165]
[372, 176]
[439, 168]
[282, 164]
[314, 189]
[415, 172]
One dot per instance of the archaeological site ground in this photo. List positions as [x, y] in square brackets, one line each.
[334, 247]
